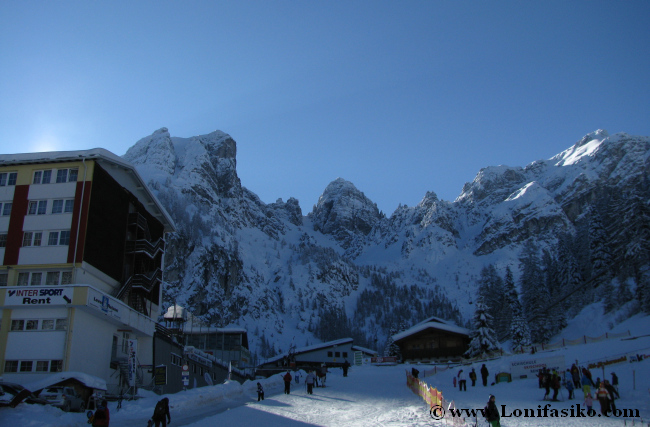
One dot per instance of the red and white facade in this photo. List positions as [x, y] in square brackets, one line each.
[82, 245]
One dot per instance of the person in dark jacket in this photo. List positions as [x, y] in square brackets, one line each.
[472, 376]
[346, 366]
[492, 412]
[613, 395]
[260, 392]
[161, 413]
[484, 375]
[101, 418]
[287, 382]
[556, 384]
[615, 384]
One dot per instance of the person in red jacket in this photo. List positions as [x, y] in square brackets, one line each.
[101, 418]
[287, 382]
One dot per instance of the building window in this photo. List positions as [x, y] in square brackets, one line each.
[11, 366]
[26, 365]
[17, 325]
[32, 238]
[3, 240]
[42, 177]
[66, 277]
[36, 279]
[5, 208]
[59, 238]
[42, 365]
[62, 206]
[345, 354]
[66, 175]
[56, 365]
[3, 279]
[329, 354]
[47, 324]
[337, 354]
[37, 207]
[61, 324]
[8, 178]
[23, 279]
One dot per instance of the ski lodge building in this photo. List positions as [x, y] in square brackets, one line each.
[82, 241]
[432, 339]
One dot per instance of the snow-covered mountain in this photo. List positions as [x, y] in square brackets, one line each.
[345, 268]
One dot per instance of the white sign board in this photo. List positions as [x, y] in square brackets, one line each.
[133, 363]
[39, 296]
[104, 303]
[529, 368]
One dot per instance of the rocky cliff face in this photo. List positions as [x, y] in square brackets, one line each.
[238, 260]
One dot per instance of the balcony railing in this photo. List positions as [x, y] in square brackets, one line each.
[142, 281]
[146, 247]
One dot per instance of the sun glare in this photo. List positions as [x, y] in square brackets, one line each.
[44, 144]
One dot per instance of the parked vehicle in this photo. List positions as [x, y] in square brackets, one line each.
[65, 398]
[11, 394]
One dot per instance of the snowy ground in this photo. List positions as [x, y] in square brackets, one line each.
[377, 396]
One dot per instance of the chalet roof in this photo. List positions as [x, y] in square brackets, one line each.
[88, 380]
[437, 324]
[364, 350]
[313, 347]
[102, 156]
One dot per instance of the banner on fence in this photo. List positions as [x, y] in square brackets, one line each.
[530, 367]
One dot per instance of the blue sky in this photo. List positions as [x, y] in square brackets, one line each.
[398, 97]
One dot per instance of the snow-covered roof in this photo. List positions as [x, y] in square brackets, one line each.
[365, 350]
[88, 380]
[312, 348]
[439, 325]
[99, 154]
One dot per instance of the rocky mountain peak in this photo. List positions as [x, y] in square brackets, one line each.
[344, 212]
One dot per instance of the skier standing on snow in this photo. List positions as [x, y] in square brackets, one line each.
[586, 383]
[555, 383]
[472, 376]
[492, 412]
[575, 374]
[462, 382]
[287, 382]
[615, 384]
[310, 380]
[346, 366]
[589, 402]
[604, 399]
[296, 376]
[260, 392]
[612, 392]
[484, 375]
[569, 386]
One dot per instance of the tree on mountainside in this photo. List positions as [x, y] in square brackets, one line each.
[482, 336]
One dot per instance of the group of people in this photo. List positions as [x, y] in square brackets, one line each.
[160, 417]
[580, 378]
[462, 381]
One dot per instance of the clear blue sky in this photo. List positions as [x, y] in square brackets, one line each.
[398, 97]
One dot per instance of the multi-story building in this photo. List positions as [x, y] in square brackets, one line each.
[82, 245]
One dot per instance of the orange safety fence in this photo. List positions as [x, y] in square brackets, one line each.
[433, 397]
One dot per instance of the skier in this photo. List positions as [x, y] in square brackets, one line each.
[472, 376]
[604, 398]
[102, 417]
[323, 374]
[546, 382]
[161, 413]
[492, 412]
[586, 383]
[287, 382]
[612, 392]
[462, 382]
[310, 380]
[555, 383]
[569, 386]
[575, 374]
[346, 366]
[260, 392]
[484, 375]
[615, 384]
[589, 402]
[296, 377]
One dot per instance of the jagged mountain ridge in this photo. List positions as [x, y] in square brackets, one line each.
[237, 260]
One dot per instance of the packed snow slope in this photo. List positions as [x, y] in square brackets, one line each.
[378, 396]
[286, 276]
